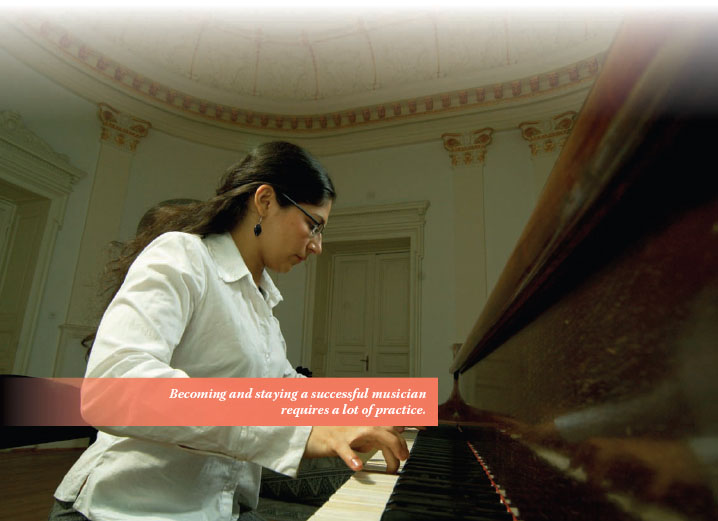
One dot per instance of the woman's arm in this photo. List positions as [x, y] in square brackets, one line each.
[137, 337]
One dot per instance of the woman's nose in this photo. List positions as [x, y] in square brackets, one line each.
[315, 244]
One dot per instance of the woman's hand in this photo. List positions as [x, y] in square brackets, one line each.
[342, 441]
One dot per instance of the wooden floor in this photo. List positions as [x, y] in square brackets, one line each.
[29, 479]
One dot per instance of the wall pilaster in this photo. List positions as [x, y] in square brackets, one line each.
[467, 153]
[546, 139]
[120, 136]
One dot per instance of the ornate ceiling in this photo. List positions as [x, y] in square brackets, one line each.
[305, 73]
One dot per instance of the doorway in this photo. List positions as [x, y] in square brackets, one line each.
[35, 182]
[385, 244]
[367, 309]
[23, 215]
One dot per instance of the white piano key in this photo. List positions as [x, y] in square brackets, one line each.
[364, 496]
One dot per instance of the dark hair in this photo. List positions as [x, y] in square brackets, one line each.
[160, 212]
[288, 168]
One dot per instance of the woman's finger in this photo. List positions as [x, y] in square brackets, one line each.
[395, 442]
[349, 457]
[392, 463]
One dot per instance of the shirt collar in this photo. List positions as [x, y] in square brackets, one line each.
[231, 267]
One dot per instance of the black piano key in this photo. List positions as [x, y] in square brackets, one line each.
[458, 494]
[405, 511]
[459, 472]
[452, 501]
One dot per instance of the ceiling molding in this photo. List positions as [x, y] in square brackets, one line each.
[501, 106]
[124, 78]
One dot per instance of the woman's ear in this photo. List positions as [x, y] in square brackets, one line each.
[264, 198]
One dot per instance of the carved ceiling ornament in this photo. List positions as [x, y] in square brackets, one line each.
[469, 148]
[545, 137]
[121, 130]
[87, 58]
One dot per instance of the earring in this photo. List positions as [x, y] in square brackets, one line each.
[258, 227]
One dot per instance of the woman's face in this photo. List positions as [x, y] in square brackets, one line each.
[287, 234]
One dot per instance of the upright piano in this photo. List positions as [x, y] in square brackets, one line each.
[602, 331]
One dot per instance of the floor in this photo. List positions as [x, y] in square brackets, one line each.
[29, 478]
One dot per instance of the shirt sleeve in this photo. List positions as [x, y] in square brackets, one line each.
[137, 336]
[147, 317]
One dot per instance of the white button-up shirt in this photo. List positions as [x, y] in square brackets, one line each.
[188, 308]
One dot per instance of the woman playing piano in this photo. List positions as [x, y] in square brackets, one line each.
[192, 299]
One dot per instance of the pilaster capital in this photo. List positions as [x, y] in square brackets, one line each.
[120, 129]
[469, 148]
[550, 135]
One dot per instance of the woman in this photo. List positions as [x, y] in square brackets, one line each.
[194, 300]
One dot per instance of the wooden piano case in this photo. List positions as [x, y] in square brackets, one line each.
[606, 315]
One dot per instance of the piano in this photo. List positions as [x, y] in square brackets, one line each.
[602, 331]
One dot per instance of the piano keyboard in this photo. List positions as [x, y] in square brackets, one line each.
[443, 478]
[365, 494]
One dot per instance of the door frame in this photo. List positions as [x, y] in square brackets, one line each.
[374, 223]
[28, 162]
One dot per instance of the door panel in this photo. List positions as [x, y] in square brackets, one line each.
[351, 316]
[393, 300]
[369, 325]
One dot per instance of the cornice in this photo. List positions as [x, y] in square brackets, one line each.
[501, 108]
[379, 221]
[397, 211]
[28, 152]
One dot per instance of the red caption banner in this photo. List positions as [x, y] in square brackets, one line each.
[223, 401]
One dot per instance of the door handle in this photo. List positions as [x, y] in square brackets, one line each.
[366, 361]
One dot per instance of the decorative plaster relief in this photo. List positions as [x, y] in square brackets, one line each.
[104, 68]
[467, 149]
[122, 130]
[545, 137]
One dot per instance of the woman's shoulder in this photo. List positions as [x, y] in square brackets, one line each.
[175, 256]
[177, 246]
[176, 239]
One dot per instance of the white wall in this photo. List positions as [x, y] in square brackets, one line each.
[509, 197]
[69, 124]
[403, 174]
[392, 175]
[423, 172]
[167, 167]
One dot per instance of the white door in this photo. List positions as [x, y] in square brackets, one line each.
[19, 256]
[369, 315]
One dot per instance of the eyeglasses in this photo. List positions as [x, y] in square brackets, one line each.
[318, 227]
